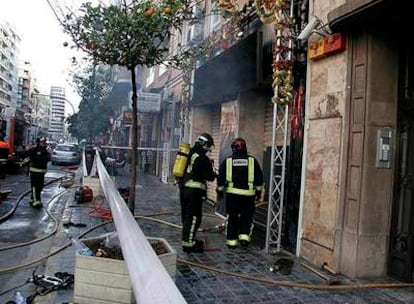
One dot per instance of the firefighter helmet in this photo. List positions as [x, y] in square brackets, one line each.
[205, 140]
[239, 145]
[40, 140]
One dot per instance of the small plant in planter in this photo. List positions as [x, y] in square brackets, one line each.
[106, 278]
[103, 251]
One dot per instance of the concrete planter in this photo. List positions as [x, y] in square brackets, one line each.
[104, 280]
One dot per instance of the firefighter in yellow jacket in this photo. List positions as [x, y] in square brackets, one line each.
[194, 190]
[241, 180]
[38, 158]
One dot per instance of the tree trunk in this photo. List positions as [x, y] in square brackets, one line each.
[131, 202]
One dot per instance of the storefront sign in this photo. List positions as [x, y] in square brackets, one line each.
[127, 118]
[149, 102]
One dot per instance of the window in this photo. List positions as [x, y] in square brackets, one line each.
[215, 19]
[162, 69]
[194, 33]
[150, 76]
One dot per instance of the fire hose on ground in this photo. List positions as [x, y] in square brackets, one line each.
[221, 271]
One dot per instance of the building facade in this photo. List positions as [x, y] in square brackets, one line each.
[348, 189]
[25, 117]
[9, 56]
[357, 206]
[227, 92]
[57, 121]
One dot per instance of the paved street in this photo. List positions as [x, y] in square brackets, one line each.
[235, 276]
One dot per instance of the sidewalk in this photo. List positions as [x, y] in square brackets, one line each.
[199, 285]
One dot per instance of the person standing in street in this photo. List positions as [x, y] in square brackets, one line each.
[38, 157]
[101, 152]
[241, 180]
[194, 190]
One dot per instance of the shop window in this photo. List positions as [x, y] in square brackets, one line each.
[215, 18]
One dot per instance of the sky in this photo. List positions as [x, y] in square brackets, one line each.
[42, 42]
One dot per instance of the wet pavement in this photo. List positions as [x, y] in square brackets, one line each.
[219, 275]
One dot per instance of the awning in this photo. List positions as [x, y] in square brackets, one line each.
[387, 15]
[224, 76]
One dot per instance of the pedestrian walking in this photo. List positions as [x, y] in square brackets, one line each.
[112, 164]
[193, 191]
[38, 157]
[240, 179]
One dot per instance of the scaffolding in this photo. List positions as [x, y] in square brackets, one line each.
[277, 179]
[282, 84]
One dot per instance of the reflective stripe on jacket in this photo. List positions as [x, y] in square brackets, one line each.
[251, 191]
[191, 183]
[37, 170]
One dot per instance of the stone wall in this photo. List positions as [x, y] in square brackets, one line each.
[325, 114]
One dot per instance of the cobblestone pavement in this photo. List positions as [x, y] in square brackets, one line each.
[198, 285]
[201, 286]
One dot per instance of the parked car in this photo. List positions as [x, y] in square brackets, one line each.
[68, 154]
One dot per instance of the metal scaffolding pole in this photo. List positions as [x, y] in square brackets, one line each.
[283, 61]
[277, 179]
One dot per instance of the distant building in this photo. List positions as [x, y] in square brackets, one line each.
[9, 54]
[56, 126]
[24, 108]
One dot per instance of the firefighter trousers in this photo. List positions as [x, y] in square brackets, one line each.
[191, 213]
[37, 181]
[240, 210]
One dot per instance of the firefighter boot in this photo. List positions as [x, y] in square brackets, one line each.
[244, 244]
[36, 204]
[198, 247]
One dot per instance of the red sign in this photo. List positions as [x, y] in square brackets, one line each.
[334, 43]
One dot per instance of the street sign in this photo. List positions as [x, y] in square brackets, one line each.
[149, 102]
[127, 119]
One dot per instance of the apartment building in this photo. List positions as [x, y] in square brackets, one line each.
[57, 121]
[9, 56]
[347, 195]
[227, 93]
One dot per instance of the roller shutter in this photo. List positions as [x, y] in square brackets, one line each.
[215, 132]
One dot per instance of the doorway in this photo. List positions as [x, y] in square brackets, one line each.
[401, 261]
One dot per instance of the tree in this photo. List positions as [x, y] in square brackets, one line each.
[128, 34]
[92, 84]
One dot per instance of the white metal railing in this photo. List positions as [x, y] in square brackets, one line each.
[84, 168]
[150, 280]
[140, 148]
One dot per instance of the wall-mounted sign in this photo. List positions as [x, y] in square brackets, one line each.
[328, 45]
[127, 118]
[149, 102]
